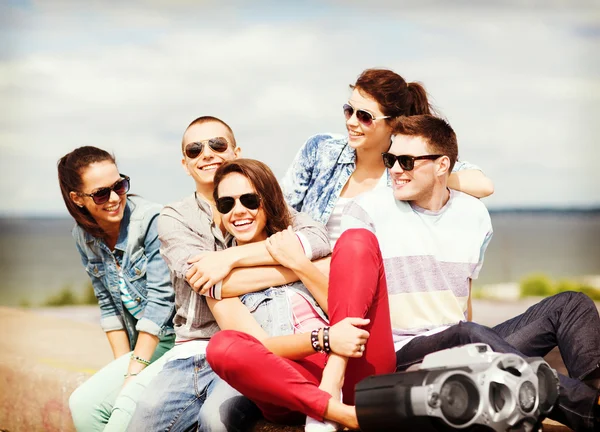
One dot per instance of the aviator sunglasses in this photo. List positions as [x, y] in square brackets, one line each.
[102, 195]
[218, 144]
[407, 163]
[249, 200]
[365, 117]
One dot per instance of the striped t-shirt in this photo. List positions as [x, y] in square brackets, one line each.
[429, 257]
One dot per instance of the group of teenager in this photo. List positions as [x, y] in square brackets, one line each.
[253, 297]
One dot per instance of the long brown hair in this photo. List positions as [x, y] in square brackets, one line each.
[395, 96]
[70, 169]
[266, 186]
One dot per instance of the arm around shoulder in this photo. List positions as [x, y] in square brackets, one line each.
[470, 179]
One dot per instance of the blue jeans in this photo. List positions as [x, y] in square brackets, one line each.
[187, 396]
[568, 320]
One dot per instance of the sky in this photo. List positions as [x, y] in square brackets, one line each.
[518, 80]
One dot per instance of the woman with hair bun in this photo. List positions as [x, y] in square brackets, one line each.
[330, 170]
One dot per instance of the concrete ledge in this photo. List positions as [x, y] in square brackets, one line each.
[44, 358]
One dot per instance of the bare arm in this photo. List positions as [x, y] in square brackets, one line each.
[252, 279]
[285, 249]
[246, 280]
[119, 342]
[144, 348]
[472, 182]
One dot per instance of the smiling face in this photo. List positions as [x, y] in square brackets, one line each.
[96, 176]
[377, 135]
[419, 184]
[247, 226]
[202, 168]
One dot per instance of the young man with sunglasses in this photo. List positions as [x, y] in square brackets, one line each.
[433, 241]
[195, 246]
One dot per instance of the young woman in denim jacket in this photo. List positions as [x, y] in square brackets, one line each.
[273, 345]
[329, 170]
[117, 239]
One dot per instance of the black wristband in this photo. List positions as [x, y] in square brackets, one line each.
[314, 340]
[326, 346]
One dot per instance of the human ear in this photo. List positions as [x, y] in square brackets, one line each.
[185, 167]
[76, 198]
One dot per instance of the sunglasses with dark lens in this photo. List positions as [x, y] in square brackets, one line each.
[365, 117]
[102, 195]
[407, 163]
[218, 144]
[250, 200]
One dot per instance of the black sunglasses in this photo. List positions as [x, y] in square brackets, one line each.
[250, 200]
[365, 117]
[102, 195]
[218, 144]
[407, 163]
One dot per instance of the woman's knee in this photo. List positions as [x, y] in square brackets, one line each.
[82, 407]
[358, 241]
[226, 345]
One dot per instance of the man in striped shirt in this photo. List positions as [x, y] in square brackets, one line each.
[433, 240]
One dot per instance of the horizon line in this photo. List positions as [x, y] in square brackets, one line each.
[495, 209]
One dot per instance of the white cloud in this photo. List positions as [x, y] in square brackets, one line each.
[523, 95]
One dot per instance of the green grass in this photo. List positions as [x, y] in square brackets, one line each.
[66, 297]
[540, 285]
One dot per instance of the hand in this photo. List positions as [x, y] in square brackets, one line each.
[208, 269]
[286, 249]
[346, 338]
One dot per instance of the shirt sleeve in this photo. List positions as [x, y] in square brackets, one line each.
[464, 165]
[110, 318]
[489, 232]
[160, 303]
[313, 235]
[179, 241]
[298, 177]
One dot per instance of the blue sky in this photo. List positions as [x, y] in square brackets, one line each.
[520, 85]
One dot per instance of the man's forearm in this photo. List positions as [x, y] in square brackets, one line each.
[250, 255]
[251, 279]
[472, 182]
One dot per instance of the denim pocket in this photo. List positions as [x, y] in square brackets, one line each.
[137, 266]
[203, 375]
[95, 269]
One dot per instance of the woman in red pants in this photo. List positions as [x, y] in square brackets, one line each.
[299, 372]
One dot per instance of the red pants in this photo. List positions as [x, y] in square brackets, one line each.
[286, 390]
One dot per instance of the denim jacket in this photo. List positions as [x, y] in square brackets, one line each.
[272, 308]
[322, 167]
[145, 273]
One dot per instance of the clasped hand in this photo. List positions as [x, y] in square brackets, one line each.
[346, 338]
[207, 269]
[286, 249]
